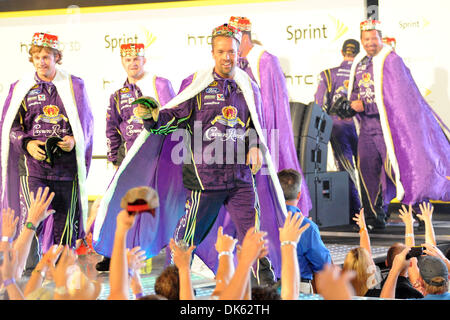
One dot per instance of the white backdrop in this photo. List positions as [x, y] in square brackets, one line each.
[421, 30]
[306, 36]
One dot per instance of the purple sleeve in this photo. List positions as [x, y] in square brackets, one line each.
[355, 90]
[322, 89]
[370, 109]
[113, 120]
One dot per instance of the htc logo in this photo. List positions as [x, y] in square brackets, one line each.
[199, 40]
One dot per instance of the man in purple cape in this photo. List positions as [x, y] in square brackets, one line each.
[333, 83]
[151, 161]
[122, 124]
[48, 103]
[403, 149]
[264, 68]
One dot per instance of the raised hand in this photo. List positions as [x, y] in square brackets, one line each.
[426, 210]
[125, 221]
[136, 259]
[291, 230]
[181, 258]
[224, 242]
[9, 223]
[360, 220]
[254, 246]
[10, 264]
[406, 215]
[333, 284]
[61, 272]
[39, 205]
[49, 259]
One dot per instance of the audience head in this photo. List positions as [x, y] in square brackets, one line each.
[291, 183]
[358, 260]
[434, 274]
[265, 293]
[395, 249]
[167, 284]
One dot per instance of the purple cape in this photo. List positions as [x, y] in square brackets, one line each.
[149, 163]
[10, 190]
[277, 116]
[420, 145]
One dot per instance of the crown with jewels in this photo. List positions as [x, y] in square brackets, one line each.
[241, 23]
[370, 25]
[227, 30]
[132, 50]
[45, 40]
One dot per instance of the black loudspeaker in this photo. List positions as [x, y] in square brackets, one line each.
[312, 155]
[312, 130]
[329, 197]
[297, 111]
[316, 123]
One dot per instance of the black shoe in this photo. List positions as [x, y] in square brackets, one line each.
[103, 265]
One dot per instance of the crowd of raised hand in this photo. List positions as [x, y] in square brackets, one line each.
[59, 275]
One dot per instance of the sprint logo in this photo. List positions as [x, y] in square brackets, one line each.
[340, 28]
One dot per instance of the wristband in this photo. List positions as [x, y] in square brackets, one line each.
[225, 253]
[6, 239]
[284, 243]
[139, 295]
[362, 229]
[409, 234]
[7, 282]
[131, 273]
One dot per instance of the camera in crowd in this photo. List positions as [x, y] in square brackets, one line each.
[415, 252]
